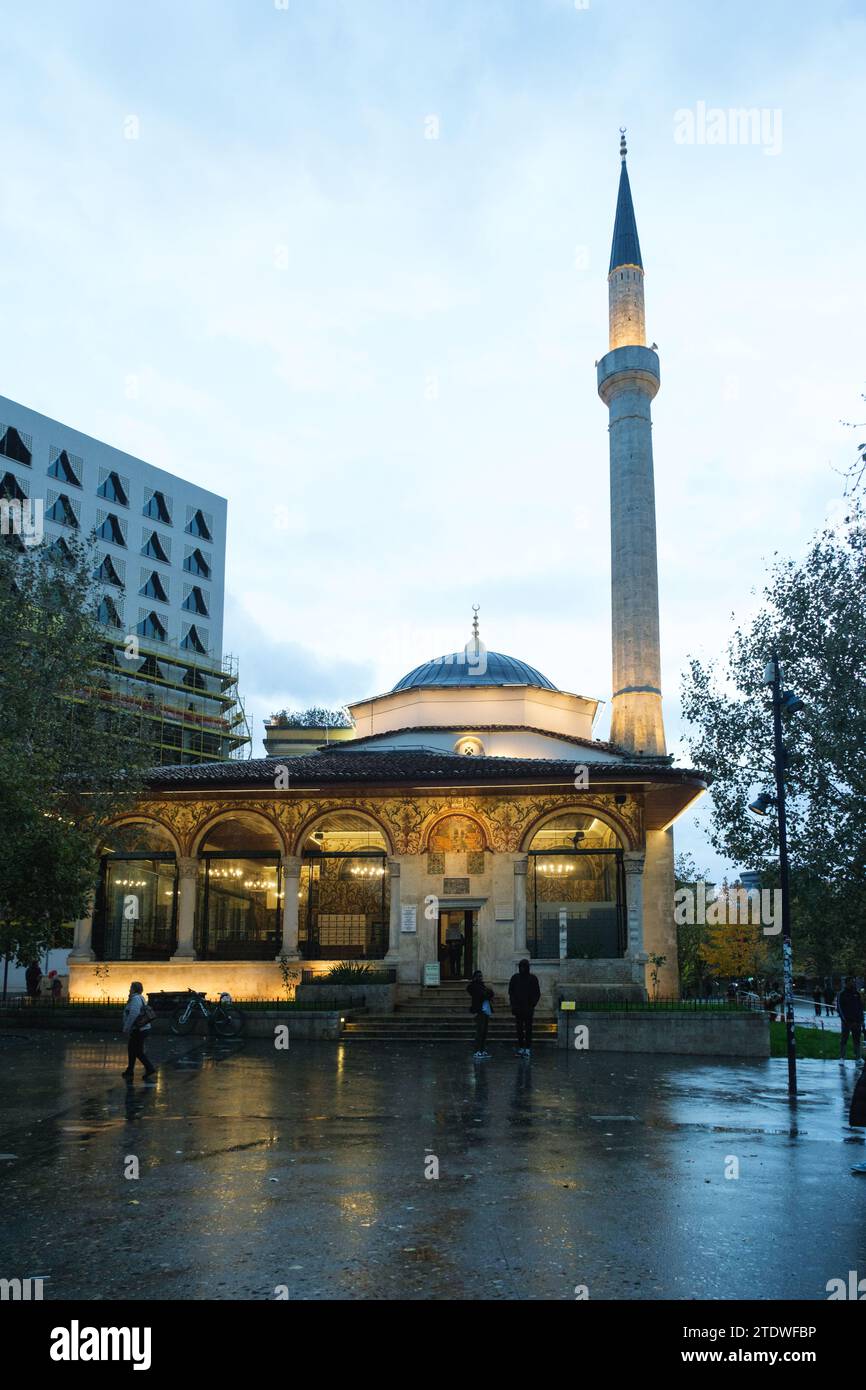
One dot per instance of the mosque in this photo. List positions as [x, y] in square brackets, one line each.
[468, 819]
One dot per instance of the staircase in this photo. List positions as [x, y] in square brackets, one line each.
[441, 1014]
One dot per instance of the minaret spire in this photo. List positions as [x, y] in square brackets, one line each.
[628, 379]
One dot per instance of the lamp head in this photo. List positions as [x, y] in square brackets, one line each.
[761, 804]
[790, 702]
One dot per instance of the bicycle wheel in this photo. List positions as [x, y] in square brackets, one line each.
[228, 1022]
[183, 1021]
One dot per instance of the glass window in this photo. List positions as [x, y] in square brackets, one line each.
[575, 881]
[114, 489]
[137, 908]
[12, 446]
[240, 894]
[344, 890]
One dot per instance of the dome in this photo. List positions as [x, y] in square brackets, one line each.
[470, 667]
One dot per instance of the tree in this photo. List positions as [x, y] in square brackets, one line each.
[67, 757]
[690, 936]
[812, 614]
[735, 951]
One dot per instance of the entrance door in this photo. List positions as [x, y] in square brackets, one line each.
[457, 927]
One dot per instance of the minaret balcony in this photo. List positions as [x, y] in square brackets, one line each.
[627, 367]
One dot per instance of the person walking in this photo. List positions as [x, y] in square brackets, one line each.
[829, 1000]
[818, 1000]
[136, 1026]
[850, 1018]
[480, 996]
[524, 992]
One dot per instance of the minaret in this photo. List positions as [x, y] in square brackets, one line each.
[628, 378]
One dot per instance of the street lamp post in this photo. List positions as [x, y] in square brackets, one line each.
[788, 701]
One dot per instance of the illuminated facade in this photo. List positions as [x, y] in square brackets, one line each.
[470, 803]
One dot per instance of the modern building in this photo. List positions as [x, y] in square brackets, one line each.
[473, 795]
[160, 565]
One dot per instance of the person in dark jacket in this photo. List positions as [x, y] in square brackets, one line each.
[524, 993]
[480, 996]
[137, 1030]
[33, 979]
[851, 1018]
[817, 998]
[829, 1000]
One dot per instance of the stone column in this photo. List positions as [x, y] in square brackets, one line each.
[521, 863]
[82, 945]
[187, 882]
[290, 878]
[633, 861]
[393, 954]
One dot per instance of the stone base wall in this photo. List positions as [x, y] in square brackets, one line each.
[685, 1034]
[319, 1024]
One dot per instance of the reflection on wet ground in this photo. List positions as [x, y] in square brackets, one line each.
[315, 1169]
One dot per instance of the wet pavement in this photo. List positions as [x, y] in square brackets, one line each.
[307, 1169]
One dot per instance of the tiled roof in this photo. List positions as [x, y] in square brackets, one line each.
[625, 249]
[488, 729]
[402, 765]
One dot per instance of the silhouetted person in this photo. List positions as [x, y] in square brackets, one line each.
[33, 979]
[829, 999]
[851, 1018]
[136, 1026]
[454, 943]
[524, 993]
[480, 996]
[817, 996]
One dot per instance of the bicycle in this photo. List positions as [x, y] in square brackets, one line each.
[223, 1017]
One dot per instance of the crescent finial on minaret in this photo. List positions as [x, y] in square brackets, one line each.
[622, 147]
[475, 608]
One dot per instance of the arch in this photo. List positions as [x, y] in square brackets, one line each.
[207, 827]
[463, 814]
[317, 819]
[138, 818]
[602, 813]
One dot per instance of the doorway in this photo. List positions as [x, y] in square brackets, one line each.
[458, 944]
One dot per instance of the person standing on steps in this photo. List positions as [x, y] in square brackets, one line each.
[524, 992]
[136, 1027]
[480, 996]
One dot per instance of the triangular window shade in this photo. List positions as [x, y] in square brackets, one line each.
[197, 564]
[10, 487]
[63, 512]
[152, 627]
[157, 508]
[194, 603]
[108, 614]
[113, 490]
[192, 642]
[110, 530]
[199, 527]
[62, 468]
[154, 588]
[13, 446]
[154, 550]
[108, 573]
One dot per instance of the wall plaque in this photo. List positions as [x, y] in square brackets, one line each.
[456, 885]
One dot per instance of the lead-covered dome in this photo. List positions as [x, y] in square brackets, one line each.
[474, 666]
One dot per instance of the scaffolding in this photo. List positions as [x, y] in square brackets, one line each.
[189, 707]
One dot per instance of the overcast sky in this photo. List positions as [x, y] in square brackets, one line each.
[344, 263]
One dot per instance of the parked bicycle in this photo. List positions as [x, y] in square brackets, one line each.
[224, 1017]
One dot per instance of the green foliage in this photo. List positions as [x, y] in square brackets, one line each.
[690, 937]
[314, 718]
[813, 614]
[67, 758]
[290, 976]
[350, 972]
